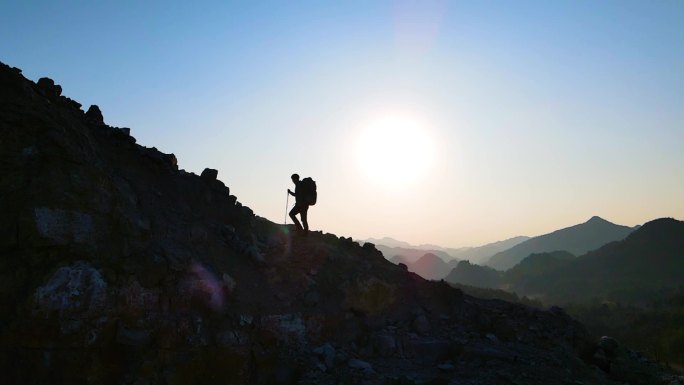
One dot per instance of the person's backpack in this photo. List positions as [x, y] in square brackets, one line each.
[308, 190]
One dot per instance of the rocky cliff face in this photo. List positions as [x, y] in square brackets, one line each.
[116, 267]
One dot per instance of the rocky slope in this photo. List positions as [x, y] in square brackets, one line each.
[116, 267]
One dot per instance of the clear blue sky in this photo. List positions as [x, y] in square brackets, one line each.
[539, 114]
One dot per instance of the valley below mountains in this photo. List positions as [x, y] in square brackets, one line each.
[629, 288]
[118, 267]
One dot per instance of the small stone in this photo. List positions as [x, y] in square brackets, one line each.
[209, 174]
[94, 115]
[312, 298]
[327, 354]
[246, 319]
[254, 253]
[48, 88]
[132, 337]
[386, 344]
[229, 282]
[45, 83]
[171, 160]
[446, 367]
[608, 344]
[364, 366]
[421, 324]
[557, 310]
[320, 366]
[599, 359]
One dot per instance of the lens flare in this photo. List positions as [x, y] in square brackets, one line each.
[203, 285]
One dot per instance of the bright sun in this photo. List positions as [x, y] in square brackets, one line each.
[395, 151]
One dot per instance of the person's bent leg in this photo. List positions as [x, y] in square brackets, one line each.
[293, 214]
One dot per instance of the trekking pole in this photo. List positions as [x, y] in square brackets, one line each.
[287, 203]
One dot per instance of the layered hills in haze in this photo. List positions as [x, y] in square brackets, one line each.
[577, 240]
[411, 255]
[503, 255]
[429, 266]
[650, 259]
[631, 288]
[120, 268]
[466, 273]
[480, 254]
[435, 262]
[391, 247]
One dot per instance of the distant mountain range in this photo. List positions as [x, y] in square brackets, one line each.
[411, 255]
[391, 242]
[632, 270]
[501, 255]
[429, 266]
[482, 253]
[635, 269]
[391, 247]
[469, 274]
[535, 265]
[432, 263]
[578, 240]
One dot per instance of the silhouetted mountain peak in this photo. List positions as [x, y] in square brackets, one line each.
[431, 258]
[577, 239]
[662, 228]
[597, 219]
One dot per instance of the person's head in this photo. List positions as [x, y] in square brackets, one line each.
[295, 178]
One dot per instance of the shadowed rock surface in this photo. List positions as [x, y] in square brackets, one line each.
[118, 268]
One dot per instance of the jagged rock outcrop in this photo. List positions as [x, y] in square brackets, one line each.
[118, 268]
[94, 116]
[209, 174]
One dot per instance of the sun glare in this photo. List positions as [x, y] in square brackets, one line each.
[395, 151]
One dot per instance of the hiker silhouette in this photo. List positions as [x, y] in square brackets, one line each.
[305, 196]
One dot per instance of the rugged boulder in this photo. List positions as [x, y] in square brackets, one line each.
[94, 115]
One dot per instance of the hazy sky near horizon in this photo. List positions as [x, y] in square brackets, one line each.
[455, 123]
